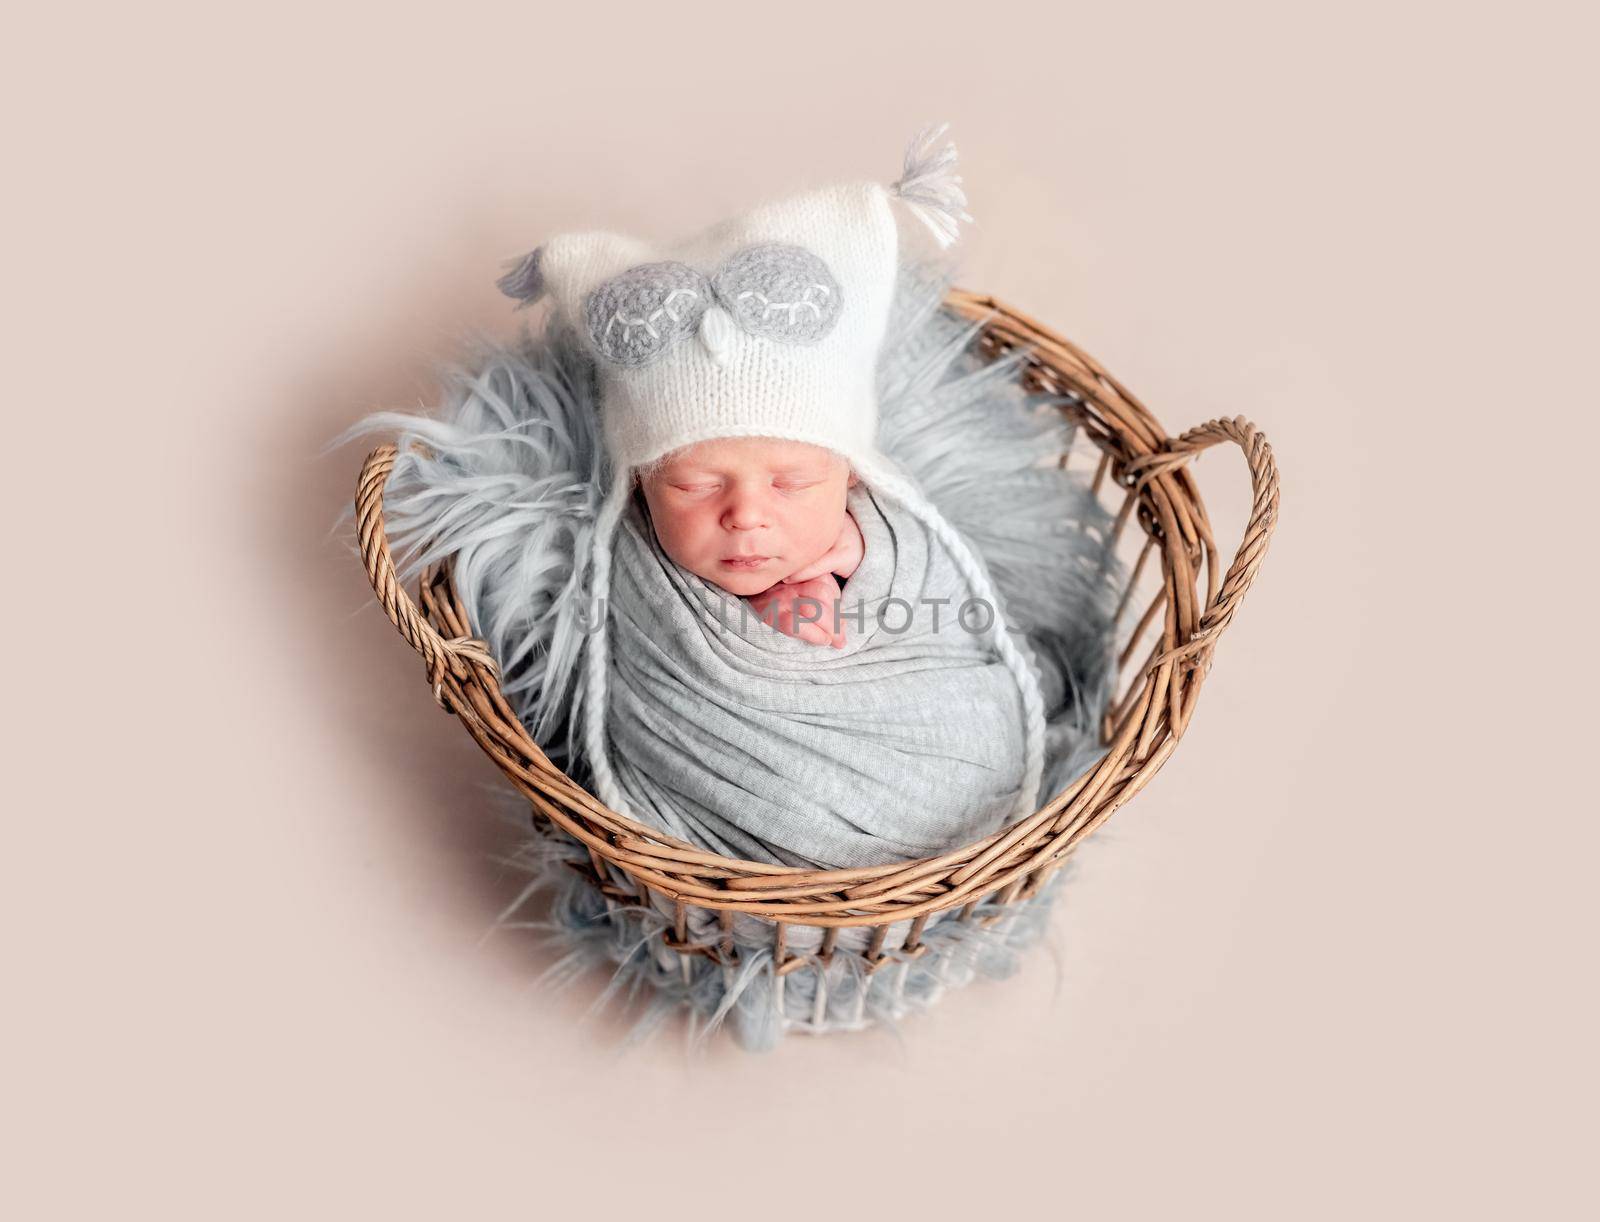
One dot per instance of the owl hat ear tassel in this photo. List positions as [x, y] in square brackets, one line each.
[931, 188]
[524, 281]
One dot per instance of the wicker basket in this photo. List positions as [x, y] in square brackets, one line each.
[1141, 726]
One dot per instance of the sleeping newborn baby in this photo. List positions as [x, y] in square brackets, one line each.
[923, 725]
[765, 519]
[911, 732]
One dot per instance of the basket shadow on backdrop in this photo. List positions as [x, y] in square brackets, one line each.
[1005, 449]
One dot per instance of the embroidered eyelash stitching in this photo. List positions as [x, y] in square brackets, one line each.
[791, 306]
[771, 290]
[640, 313]
[664, 308]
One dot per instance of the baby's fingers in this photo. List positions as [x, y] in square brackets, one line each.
[825, 634]
[788, 624]
[814, 634]
[800, 623]
[811, 571]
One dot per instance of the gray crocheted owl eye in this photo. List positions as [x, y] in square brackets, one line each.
[779, 291]
[639, 314]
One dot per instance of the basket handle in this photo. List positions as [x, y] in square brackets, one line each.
[1257, 532]
[438, 652]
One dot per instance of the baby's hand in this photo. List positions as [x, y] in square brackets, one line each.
[781, 607]
[843, 558]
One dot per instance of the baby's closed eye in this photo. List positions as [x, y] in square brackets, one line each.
[783, 485]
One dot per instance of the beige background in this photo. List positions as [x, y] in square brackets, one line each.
[1336, 961]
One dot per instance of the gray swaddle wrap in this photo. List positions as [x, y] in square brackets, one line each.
[725, 732]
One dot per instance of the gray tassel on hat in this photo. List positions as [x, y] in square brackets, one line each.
[931, 188]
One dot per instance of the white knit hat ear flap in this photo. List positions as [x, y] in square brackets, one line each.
[597, 672]
[878, 479]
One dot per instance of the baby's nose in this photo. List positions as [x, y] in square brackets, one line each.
[744, 513]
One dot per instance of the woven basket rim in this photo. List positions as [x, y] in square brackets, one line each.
[1141, 728]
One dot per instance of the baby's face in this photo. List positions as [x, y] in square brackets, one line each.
[745, 512]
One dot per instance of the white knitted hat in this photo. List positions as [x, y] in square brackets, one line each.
[768, 324]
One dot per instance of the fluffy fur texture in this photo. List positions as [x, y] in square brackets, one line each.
[759, 1007]
[509, 485]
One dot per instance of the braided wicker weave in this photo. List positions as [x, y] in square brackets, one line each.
[1137, 461]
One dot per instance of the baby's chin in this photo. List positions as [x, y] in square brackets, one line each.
[746, 582]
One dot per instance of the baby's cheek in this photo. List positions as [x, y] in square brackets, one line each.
[682, 537]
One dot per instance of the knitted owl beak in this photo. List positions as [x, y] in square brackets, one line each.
[717, 334]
